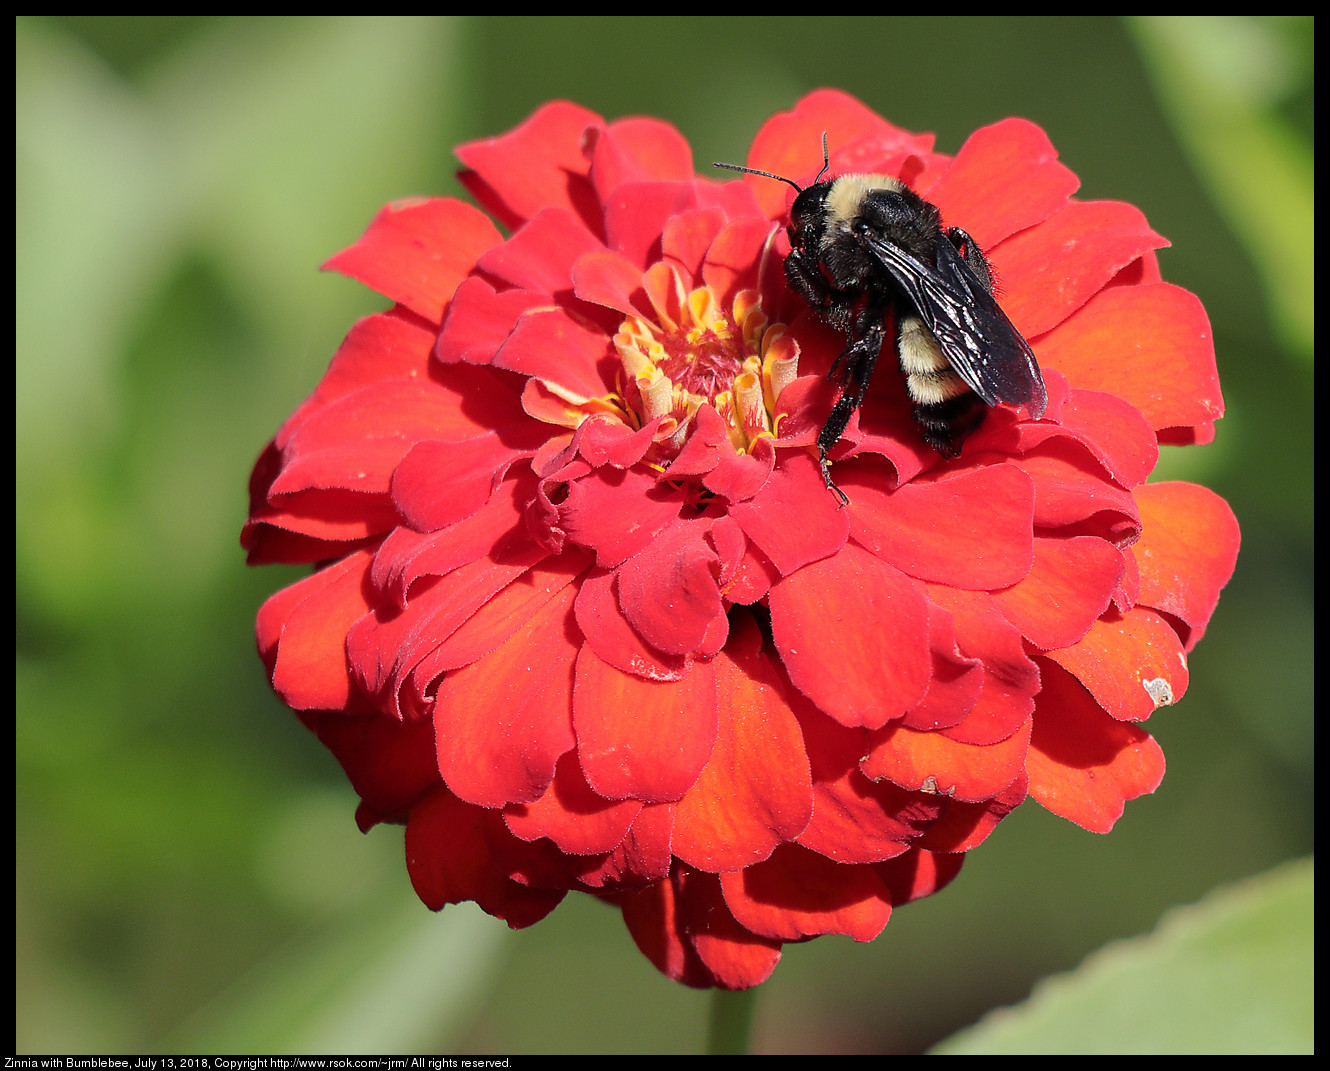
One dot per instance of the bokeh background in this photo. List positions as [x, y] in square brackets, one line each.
[189, 876]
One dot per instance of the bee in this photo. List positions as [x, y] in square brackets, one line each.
[868, 254]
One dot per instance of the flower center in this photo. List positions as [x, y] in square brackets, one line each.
[696, 352]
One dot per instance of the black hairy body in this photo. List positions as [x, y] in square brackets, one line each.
[872, 259]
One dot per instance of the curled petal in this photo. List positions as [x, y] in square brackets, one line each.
[684, 927]
[302, 635]
[919, 873]
[931, 762]
[1131, 663]
[570, 814]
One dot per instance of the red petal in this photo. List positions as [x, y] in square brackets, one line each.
[735, 958]
[755, 791]
[752, 578]
[1131, 663]
[617, 642]
[449, 860]
[540, 164]
[552, 346]
[539, 258]
[1083, 764]
[641, 739]
[963, 826]
[495, 531]
[795, 489]
[919, 873]
[790, 143]
[1049, 271]
[642, 857]
[480, 319]
[1005, 178]
[1011, 679]
[501, 723]
[669, 592]
[390, 763]
[509, 613]
[1071, 489]
[1115, 433]
[357, 441]
[618, 513]
[855, 820]
[394, 345]
[384, 646]
[416, 252]
[957, 680]
[571, 815]
[636, 214]
[734, 258]
[853, 632]
[302, 635]
[683, 926]
[1188, 547]
[313, 526]
[639, 150]
[652, 916]
[934, 763]
[797, 894]
[609, 279]
[689, 235]
[971, 530]
[439, 484]
[1071, 584]
[1151, 345]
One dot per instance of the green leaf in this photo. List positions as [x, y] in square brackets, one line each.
[1233, 973]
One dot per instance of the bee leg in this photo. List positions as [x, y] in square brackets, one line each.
[856, 365]
[974, 256]
[807, 280]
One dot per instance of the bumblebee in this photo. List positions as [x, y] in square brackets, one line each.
[869, 254]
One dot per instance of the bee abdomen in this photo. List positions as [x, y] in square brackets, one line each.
[945, 409]
[946, 425]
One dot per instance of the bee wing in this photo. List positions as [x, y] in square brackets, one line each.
[980, 343]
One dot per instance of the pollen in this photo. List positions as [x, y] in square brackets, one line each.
[696, 351]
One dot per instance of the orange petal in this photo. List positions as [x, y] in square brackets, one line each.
[1083, 764]
[640, 739]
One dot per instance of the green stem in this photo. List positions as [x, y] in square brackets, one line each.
[731, 1022]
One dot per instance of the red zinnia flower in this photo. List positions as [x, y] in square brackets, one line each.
[584, 614]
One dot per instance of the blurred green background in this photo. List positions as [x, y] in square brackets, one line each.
[189, 876]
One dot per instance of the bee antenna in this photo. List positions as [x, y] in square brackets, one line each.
[826, 160]
[764, 174]
[826, 163]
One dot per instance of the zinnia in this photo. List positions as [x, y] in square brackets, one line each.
[584, 615]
